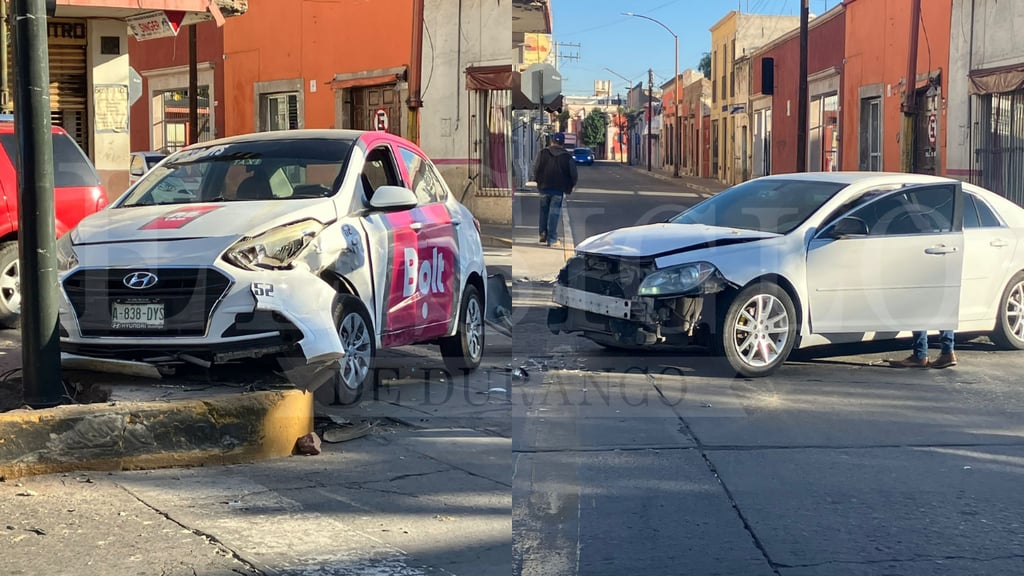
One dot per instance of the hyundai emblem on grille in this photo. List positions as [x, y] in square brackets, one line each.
[140, 280]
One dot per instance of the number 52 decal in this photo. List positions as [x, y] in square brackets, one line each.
[263, 289]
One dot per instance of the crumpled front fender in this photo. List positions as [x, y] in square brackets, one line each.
[307, 302]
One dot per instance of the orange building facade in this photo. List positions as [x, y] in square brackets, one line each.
[877, 45]
[325, 68]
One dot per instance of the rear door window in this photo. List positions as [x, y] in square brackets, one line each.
[71, 168]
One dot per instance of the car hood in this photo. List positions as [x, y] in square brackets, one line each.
[657, 240]
[204, 220]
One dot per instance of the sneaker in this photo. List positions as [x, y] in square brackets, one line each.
[555, 244]
[911, 362]
[543, 238]
[945, 360]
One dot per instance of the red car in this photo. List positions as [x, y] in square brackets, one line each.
[77, 194]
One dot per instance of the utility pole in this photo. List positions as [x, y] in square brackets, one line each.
[40, 335]
[5, 76]
[193, 87]
[910, 92]
[650, 113]
[801, 106]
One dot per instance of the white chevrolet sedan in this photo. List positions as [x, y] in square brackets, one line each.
[318, 246]
[799, 260]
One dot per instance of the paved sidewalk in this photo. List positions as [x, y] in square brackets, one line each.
[531, 260]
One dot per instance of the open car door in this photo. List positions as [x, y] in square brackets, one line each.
[892, 264]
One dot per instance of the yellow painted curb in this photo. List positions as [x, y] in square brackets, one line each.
[220, 429]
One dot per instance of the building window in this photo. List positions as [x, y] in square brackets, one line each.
[279, 111]
[871, 134]
[732, 71]
[172, 117]
[714, 77]
[763, 142]
[999, 152]
[715, 146]
[725, 64]
[823, 134]
[494, 137]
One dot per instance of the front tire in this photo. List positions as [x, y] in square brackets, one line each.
[463, 351]
[758, 330]
[10, 286]
[356, 332]
[1009, 332]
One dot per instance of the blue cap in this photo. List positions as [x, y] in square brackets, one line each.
[558, 137]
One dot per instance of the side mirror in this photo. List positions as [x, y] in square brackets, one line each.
[393, 198]
[138, 171]
[847, 227]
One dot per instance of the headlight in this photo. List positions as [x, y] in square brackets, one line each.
[676, 280]
[274, 249]
[66, 257]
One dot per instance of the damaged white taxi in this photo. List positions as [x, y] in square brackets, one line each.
[799, 260]
[319, 246]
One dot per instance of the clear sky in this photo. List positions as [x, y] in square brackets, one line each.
[630, 46]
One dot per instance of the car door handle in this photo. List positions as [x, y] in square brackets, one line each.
[999, 243]
[416, 227]
[941, 250]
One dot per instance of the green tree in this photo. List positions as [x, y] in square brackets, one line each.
[563, 120]
[705, 65]
[595, 128]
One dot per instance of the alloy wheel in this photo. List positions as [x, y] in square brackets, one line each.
[761, 331]
[474, 329]
[1015, 311]
[10, 287]
[355, 339]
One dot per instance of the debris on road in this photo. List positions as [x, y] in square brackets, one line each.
[308, 445]
[521, 373]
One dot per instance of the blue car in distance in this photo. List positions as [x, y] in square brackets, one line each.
[583, 155]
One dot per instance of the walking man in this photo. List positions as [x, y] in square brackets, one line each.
[555, 174]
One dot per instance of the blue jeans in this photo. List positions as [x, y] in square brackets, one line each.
[550, 213]
[921, 343]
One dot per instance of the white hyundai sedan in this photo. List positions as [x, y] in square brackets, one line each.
[320, 246]
[799, 260]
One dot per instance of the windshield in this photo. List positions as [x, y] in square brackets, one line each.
[766, 205]
[245, 172]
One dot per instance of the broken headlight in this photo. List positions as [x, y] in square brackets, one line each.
[676, 280]
[275, 249]
[66, 257]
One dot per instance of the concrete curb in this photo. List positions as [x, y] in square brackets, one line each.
[221, 429]
[495, 241]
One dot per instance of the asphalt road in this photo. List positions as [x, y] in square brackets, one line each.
[668, 464]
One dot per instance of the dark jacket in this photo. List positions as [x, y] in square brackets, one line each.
[555, 169]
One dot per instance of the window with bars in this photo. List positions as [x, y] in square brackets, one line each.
[999, 144]
[279, 111]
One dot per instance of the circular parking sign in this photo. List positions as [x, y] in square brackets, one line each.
[380, 120]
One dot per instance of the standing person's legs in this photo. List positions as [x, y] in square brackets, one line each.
[947, 339]
[545, 206]
[920, 344]
[554, 216]
[947, 358]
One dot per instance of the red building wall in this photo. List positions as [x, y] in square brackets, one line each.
[825, 50]
[172, 52]
[877, 39]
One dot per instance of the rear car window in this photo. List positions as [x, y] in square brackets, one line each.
[71, 167]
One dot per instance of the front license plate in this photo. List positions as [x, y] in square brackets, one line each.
[137, 315]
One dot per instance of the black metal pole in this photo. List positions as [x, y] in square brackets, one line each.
[193, 87]
[801, 106]
[40, 337]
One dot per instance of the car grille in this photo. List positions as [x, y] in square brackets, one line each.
[188, 296]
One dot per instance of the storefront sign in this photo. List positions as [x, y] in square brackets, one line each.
[111, 102]
[159, 24]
